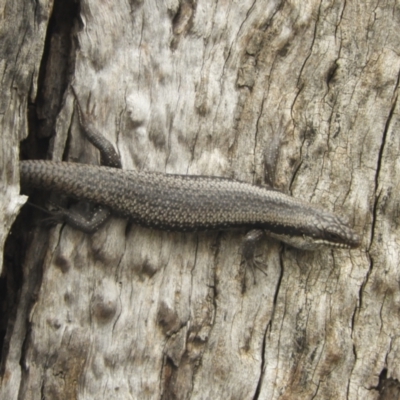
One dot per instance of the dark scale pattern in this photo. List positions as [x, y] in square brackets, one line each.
[189, 203]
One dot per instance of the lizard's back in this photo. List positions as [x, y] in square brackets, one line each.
[166, 201]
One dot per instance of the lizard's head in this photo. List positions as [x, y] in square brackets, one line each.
[325, 230]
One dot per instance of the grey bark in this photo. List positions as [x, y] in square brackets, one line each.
[22, 34]
[300, 95]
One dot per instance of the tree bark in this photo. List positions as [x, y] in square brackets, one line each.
[298, 95]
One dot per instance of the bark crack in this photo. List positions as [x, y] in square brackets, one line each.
[263, 361]
[379, 166]
[312, 44]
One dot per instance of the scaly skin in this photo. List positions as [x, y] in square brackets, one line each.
[192, 203]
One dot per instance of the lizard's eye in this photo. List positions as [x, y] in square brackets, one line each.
[334, 237]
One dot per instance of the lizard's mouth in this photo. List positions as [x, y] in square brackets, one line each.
[305, 242]
[346, 239]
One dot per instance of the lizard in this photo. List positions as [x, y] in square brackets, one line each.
[184, 202]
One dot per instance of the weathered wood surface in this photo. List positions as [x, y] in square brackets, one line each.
[301, 95]
[23, 26]
[22, 33]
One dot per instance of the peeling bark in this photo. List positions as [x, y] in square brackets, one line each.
[298, 95]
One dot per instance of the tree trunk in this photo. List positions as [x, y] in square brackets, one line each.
[298, 95]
